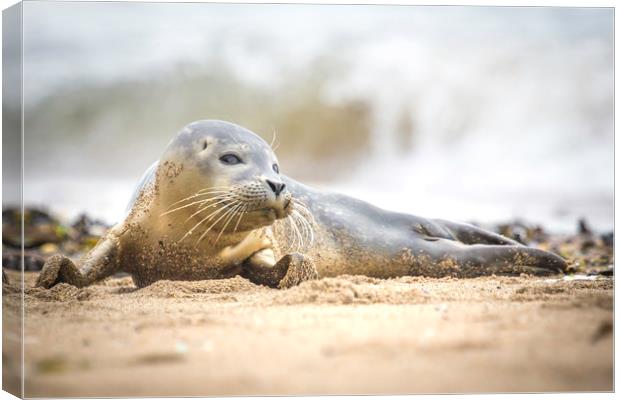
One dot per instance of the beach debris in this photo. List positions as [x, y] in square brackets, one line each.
[11, 259]
[44, 236]
[39, 228]
[583, 228]
[522, 232]
[607, 272]
[87, 231]
[49, 248]
[608, 239]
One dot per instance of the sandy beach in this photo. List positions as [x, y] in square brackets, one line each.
[346, 335]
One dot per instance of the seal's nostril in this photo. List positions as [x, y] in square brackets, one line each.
[276, 187]
[271, 185]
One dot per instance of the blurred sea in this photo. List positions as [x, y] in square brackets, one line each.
[480, 114]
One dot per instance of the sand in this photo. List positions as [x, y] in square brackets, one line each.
[346, 335]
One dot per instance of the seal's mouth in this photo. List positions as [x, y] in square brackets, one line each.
[276, 213]
[281, 208]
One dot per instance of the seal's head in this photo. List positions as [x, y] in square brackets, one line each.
[224, 174]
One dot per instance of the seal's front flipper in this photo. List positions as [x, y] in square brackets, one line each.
[99, 263]
[290, 270]
[59, 268]
[300, 269]
[257, 241]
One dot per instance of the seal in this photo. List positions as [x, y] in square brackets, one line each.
[215, 205]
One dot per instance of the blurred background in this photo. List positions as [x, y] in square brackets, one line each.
[478, 114]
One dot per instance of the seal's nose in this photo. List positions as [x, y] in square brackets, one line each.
[277, 187]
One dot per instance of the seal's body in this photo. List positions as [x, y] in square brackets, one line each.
[215, 205]
[354, 237]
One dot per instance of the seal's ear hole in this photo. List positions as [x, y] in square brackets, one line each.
[204, 145]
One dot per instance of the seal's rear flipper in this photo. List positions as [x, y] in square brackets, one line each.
[500, 259]
[99, 263]
[470, 234]
[447, 257]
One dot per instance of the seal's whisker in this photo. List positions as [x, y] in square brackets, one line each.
[307, 226]
[213, 192]
[194, 196]
[299, 202]
[241, 214]
[197, 194]
[302, 241]
[214, 188]
[299, 206]
[184, 206]
[228, 209]
[298, 242]
[220, 200]
[230, 218]
[304, 211]
[212, 225]
[189, 205]
[308, 219]
[307, 231]
[302, 207]
[301, 215]
[298, 219]
[224, 206]
[289, 246]
[273, 137]
[306, 215]
[185, 199]
[208, 217]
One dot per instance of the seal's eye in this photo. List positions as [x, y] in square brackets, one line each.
[276, 168]
[230, 159]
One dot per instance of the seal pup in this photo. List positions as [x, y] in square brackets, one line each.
[215, 205]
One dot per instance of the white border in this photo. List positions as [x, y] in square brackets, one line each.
[522, 3]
